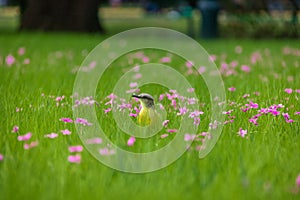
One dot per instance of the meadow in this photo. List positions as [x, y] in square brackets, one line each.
[256, 157]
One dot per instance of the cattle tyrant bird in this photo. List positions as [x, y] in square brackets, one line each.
[147, 115]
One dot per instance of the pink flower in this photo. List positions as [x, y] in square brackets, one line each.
[165, 60]
[133, 84]
[74, 158]
[298, 90]
[191, 101]
[242, 132]
[232, 89]
[137, 76]
[21, 51]
[107, 110]
[145, 59]
[172, 130]
[94, 141]
[26, 61]
[1, 157]
[66, 132]
[83, 122]
[190, 89]
[132, 114]
[25, 137]
[196, 121]
[31, 145]
[212, 58]
[59, 98]
[10, 60]
[111, 96]
[201, 70]
[15, 129]
[161, 97]
[173, 103]
[297, 113]
[189, 64]
[164, 135]
[66, 120]
[189, 137]
[106, 152]
[182, 111]
[51, 135]
[298, 181]
[131, 141]
[165, 123]
[195, 113]
[77, 148]
[246, 95]
[288, 90]
[245, 68]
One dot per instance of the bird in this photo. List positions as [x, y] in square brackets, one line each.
[147, 115]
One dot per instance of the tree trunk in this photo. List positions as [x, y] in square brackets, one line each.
[61, 15]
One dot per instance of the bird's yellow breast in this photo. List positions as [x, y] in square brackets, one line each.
[144, 117]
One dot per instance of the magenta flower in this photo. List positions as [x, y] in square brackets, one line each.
[161, 97]
[15, 129]
[174, 103]
[246, 95]
[51, 135]
[59, 98]
[95, 140]
[165, 123]
[196, 121]
[212, 58]
[288, 90]
[25, 137]
[132, 114]
[77, 148]
[66, 120]
[83, 122]
[195, 113]
[191, 101]
[298, 90]
[201, 70]
[131, 141]
[182, 111]
[1, 157]
[190, 89]
[111, 96]
[137, 76]
[107, 110]
[10, 60]
[189, 64]
[227, 112]
[242, 132]
[66, 132]
[172, 130]
[74, 158]
[297, 113]
[232, 89]
[145, 59]
[31, 145]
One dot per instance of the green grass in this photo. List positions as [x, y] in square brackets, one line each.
[262, 166]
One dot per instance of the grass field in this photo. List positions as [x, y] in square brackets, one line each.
[37, 68]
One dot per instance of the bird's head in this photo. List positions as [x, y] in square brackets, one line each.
[146, 99]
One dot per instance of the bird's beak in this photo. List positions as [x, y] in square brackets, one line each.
[136, 96]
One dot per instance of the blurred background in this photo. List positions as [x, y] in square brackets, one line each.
[198, 19]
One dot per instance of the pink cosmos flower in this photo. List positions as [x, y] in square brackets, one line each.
[242, 132]
[164, 135]
[165, 60]
[51, 135]
[245, 68]
[66, 120]
[83, 122]
[201, 70]
[189, 64]
[77, 148]
[106, 152]
[189, 137]
[66, 132]
[288, 90]
[74, 158]
[1, 157]
[10, 60]
[131, 141]
[21, 51]
[107, 110]
[298, 181]
[132, 114]
[165, 123]
[133, 84]
[15, 129]
[172, 130]
[190, 89]
[25, 137]
[95, 140]
[182, 111]
[232, 89]
[31, 145]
